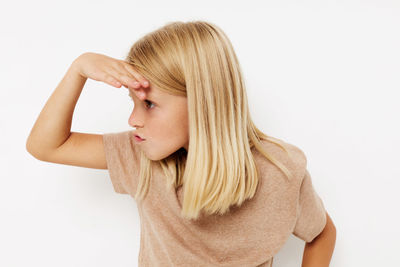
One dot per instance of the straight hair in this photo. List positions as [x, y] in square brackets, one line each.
[197, 60]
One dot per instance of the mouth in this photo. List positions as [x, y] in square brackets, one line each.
[138, 138]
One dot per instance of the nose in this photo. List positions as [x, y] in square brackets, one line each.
[134, 122]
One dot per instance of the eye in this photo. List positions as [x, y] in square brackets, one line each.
[148, 101]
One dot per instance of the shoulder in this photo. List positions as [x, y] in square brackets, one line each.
[287, 153]
[119, 142]
[121, 136]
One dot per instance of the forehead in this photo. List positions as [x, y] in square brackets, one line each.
[150, 93]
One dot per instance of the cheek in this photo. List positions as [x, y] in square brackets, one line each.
[168, 135]
[169, 126]
[175, 127]
[162, 145]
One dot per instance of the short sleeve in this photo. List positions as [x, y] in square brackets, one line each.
[311, 214]
[122, 161]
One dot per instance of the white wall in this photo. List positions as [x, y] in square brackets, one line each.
[323, 75]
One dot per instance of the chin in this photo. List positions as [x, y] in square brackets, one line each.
[160, 156]
[156, 158]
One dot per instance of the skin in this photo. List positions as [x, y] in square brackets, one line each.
[318, 253]
[161, 119]
[164, 125]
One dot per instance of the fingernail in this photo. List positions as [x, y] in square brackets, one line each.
[145, 83]
[135, 84]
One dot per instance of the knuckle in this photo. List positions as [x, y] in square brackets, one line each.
[110, 79]
[144, 81]
[124, 78]
[135, 75]
[130, 69]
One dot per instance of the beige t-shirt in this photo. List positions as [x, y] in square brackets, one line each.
[249, 235]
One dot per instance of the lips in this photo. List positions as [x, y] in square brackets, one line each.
[139, 137]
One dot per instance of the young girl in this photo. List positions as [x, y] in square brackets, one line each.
[211, 188]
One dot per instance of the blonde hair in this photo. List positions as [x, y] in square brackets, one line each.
[196, 59]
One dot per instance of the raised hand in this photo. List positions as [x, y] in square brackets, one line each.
[114, 72]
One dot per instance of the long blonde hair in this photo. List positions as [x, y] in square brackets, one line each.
[196, 59]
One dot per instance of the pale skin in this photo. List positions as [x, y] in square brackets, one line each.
[163, 122]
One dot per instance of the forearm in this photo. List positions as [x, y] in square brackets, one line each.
[318, 253]
[53, 126]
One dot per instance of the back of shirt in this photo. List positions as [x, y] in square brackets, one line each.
[249, 235]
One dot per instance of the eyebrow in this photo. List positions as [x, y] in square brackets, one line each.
[147, 98]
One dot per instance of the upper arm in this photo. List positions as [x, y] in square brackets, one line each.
[330, 226]
[311, 213]
[80, 149]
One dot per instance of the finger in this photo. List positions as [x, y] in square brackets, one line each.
[112, 81]
[122, 78]
[120, 68]
[129, 81]
[130, 69]
[140, 93]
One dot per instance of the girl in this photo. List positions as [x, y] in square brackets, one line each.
[211, 188]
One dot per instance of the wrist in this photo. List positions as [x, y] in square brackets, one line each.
[76, 67]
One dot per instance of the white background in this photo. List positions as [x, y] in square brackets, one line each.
[322, 75]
